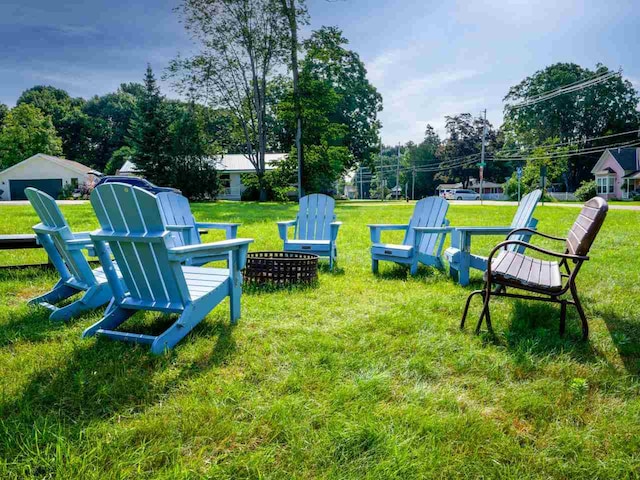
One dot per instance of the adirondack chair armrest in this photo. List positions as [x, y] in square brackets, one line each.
[501, 245]
[186, 252]
[423, 230]
[230, 229]
[283, 227]
[79, 244]
[178, 228]
[534, 232]
[484, 230]
[375, 230]
[335, 226]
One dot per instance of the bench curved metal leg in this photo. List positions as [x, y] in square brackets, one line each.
[583, 317]
[466, 307]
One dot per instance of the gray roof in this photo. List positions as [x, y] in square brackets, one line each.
[626, 157]
[233, 162]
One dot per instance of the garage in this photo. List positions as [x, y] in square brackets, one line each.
[44, 172]
[52, 186]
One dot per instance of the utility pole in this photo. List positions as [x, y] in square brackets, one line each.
[398, 173]
[482, 163]
[360, 182]
[381, 177]
[413, 184]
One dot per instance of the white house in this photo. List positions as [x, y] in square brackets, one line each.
[230, 169]
[491, 190]
[44, 172]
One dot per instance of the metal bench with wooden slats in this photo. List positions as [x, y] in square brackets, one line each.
[506, 268]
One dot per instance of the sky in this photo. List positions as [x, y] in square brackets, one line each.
[427, 58]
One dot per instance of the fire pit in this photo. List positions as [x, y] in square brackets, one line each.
[281, 268]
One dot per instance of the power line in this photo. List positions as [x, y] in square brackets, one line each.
[568, 153]
[570, 88]
[570, 142]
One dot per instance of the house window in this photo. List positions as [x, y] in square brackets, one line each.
[225, 180]
[611, 184]
[602, 184]
[74, 182]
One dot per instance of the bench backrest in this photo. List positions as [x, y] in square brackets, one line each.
[586, 227]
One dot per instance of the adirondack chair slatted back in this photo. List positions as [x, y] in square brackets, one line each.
[428, 212]
[132, 216]
[525, 210]
[53, 232]
[586, 227]
[175, 210]
[314, 217]
[523, 216]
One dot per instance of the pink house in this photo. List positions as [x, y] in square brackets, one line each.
[617, 172]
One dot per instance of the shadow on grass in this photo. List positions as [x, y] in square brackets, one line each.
[97, 381]
[625, 335]
[270, 287]
[402, 272]
[533, 327]
[30, 324]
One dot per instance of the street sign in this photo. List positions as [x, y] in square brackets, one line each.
[481, 164]
[543, 170]
[519, 173]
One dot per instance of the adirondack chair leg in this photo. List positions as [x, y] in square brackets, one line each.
[234, 303]
[92, 299]
[374, 266]
[466, 307]
[188, 319]
[414, 268]
[583, 317]
[116, 317]
[59, 292]
[563, 316]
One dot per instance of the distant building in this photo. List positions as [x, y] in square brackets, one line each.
[44, 172]
[617, 173]
[230, 169]
[490, 190]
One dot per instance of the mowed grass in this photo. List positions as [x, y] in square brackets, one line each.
[362, 376]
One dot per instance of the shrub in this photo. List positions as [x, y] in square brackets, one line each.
[586, 191]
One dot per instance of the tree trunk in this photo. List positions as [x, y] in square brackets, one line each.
[290, 11]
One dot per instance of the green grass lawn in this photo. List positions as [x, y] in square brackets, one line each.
[362, 376]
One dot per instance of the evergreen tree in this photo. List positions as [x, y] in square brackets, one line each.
[149, 134]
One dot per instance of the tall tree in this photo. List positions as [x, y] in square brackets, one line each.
[149, 134]
[609, 107]
[296, 12]
[243, 43]
[25, 132]
[328, 60]
[4, 110]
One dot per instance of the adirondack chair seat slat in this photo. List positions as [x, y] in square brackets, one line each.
[316, 245]
[402, 251]
[513, 267]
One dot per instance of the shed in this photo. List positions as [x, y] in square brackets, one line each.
[44, 172]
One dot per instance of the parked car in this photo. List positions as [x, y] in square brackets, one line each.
[136, 182]
[462, 194]
[444, 193]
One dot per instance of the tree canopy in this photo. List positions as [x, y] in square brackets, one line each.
[26, 131]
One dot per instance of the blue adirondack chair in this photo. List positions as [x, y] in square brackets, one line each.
[459, 253]
[177, 217]
[423, 240]
[154, 277]
[315, 229]
[64, 249]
